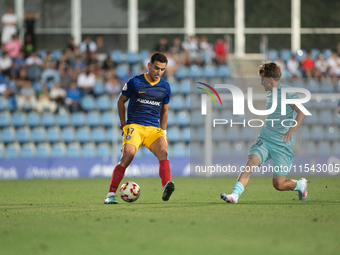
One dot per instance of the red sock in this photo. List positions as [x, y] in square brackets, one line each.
[164, 171]
[117, 177]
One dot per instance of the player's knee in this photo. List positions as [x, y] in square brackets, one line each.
[253, 161]
[278, 186]
[126, 159]
[163, 154]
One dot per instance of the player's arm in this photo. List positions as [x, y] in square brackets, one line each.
[163, 118]
[121, 110]
[299, 119]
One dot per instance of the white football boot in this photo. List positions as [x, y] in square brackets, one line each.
[232, 198]
[303, 191]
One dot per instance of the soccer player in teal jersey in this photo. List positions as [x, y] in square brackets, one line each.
[146, 123]
[275, 141]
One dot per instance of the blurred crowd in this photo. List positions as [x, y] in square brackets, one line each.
[40, 80]
[308, 67]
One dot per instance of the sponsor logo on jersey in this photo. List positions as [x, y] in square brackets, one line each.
[146, 101]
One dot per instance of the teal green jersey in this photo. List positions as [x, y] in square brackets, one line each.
[277, 124]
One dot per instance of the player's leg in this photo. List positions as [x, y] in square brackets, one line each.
[257, 155]
[252, 162]
[129, 152]
[159, 147]
[283, 159]
[282, 184]
[131, 142]
[243, 179]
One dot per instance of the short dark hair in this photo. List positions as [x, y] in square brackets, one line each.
[159, 57]
[270, 70]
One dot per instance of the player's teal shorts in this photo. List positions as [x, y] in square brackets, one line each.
[281, 153]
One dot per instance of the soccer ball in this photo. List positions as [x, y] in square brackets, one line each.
[129, 191]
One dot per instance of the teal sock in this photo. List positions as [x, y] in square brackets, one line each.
[238, 188]
[298, 185]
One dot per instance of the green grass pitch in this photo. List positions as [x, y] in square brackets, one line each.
[68, 217]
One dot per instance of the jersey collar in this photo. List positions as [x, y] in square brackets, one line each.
[151, 83]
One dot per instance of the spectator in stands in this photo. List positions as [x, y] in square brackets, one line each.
[78, 64]
[107, 65]
[177, 51]
[10, 96]
[206, 50]
[64, 62]
[66, 77]
[88, 49]
[21, 79]
[9, 25]
[308, 65]
[162, 45]
[58, 95]
[72, 46]
[70, 56]
[171, 67]
[279, 62]
[338, 107]
[334, 67]
[48, 60]
[112, 82]
[18, 63]
[221, 52]
[73, 97]
[34, 59]
[4, 83]
[293, 67]
[321, 67]
[34, 66]
[8, 92]
[13, 46]
[29, 22]
[50, 73]
[66, 59]
[28, 45]
[190, 45]
[102, 50]
[6, 64]
[44, 101]
[86, 80]
[27, 98]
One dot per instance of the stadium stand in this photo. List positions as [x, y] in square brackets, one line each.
[88, 132]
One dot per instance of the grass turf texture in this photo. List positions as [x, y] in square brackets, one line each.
[69, 217]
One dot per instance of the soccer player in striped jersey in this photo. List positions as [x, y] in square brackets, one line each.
[275, 141]
[146, 123]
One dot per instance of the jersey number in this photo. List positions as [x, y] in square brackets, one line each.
[130, 131]
[258, 142]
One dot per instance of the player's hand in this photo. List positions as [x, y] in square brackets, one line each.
[287, 137]
[121, 126]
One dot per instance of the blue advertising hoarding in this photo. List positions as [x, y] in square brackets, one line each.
[33, 168]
